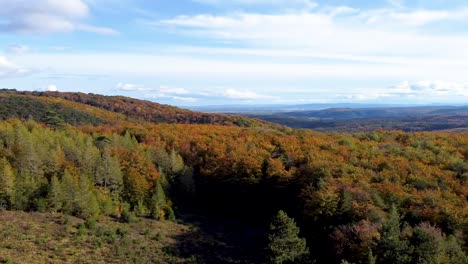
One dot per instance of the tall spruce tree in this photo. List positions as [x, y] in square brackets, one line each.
[392, 248]
[284, 243]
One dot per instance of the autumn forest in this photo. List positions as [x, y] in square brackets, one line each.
[257, 192]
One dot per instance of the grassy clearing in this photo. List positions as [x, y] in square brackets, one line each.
[56, 238]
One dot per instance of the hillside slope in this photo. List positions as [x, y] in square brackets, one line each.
[72, 107]
[36, 238]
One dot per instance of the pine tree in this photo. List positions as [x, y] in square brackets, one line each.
[454, 251]
[158, 202]
[52, 119]
[284, 243]
[392, 248]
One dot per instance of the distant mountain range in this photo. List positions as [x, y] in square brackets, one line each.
[380, 112]
[278, 108]
[358, 117]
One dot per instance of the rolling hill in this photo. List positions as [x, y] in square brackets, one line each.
[81, 108]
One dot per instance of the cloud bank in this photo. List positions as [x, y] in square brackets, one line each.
[46, 16]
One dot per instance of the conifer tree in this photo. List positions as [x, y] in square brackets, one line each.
[52, 119]
[284, 243]
[158, 202]
[392, 248]
[86, 199]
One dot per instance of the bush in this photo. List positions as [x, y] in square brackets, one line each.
[128, 217]
[91, 223]
[169, 213]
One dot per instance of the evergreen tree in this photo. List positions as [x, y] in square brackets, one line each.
[392, 248]
[86, 199]
[52, 119]
[284, 243]
[428, 244]
[454, 252]
[158, 202]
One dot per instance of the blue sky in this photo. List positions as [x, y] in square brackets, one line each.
[214, 52]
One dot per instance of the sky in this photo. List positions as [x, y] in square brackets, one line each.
[220, 52]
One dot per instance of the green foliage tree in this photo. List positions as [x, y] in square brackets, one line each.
[432, 247]
[68, 192]
[55, 194]
[158, 202]
[393, 249]
[284, 243]
[109, 174]
[454, 251]
[87, 204]
[7, 183]
[53, 119]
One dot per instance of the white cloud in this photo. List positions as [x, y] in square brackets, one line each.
[10, 70]
[342, 30]
[304, 3]
[52, 88]
[98, 30]
[243, 68]
[172, 97]
[185, 99]
[161, 89]
[130, 87]
[4, 63]
[244, 95]
[171, 90]
[407, 91]
[389, 17]
[429, 89]
[46, 16]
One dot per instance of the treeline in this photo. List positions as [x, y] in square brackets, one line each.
[86, 175]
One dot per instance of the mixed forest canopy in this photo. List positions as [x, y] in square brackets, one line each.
[374, 197]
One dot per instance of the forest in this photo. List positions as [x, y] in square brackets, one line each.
[292, 195]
